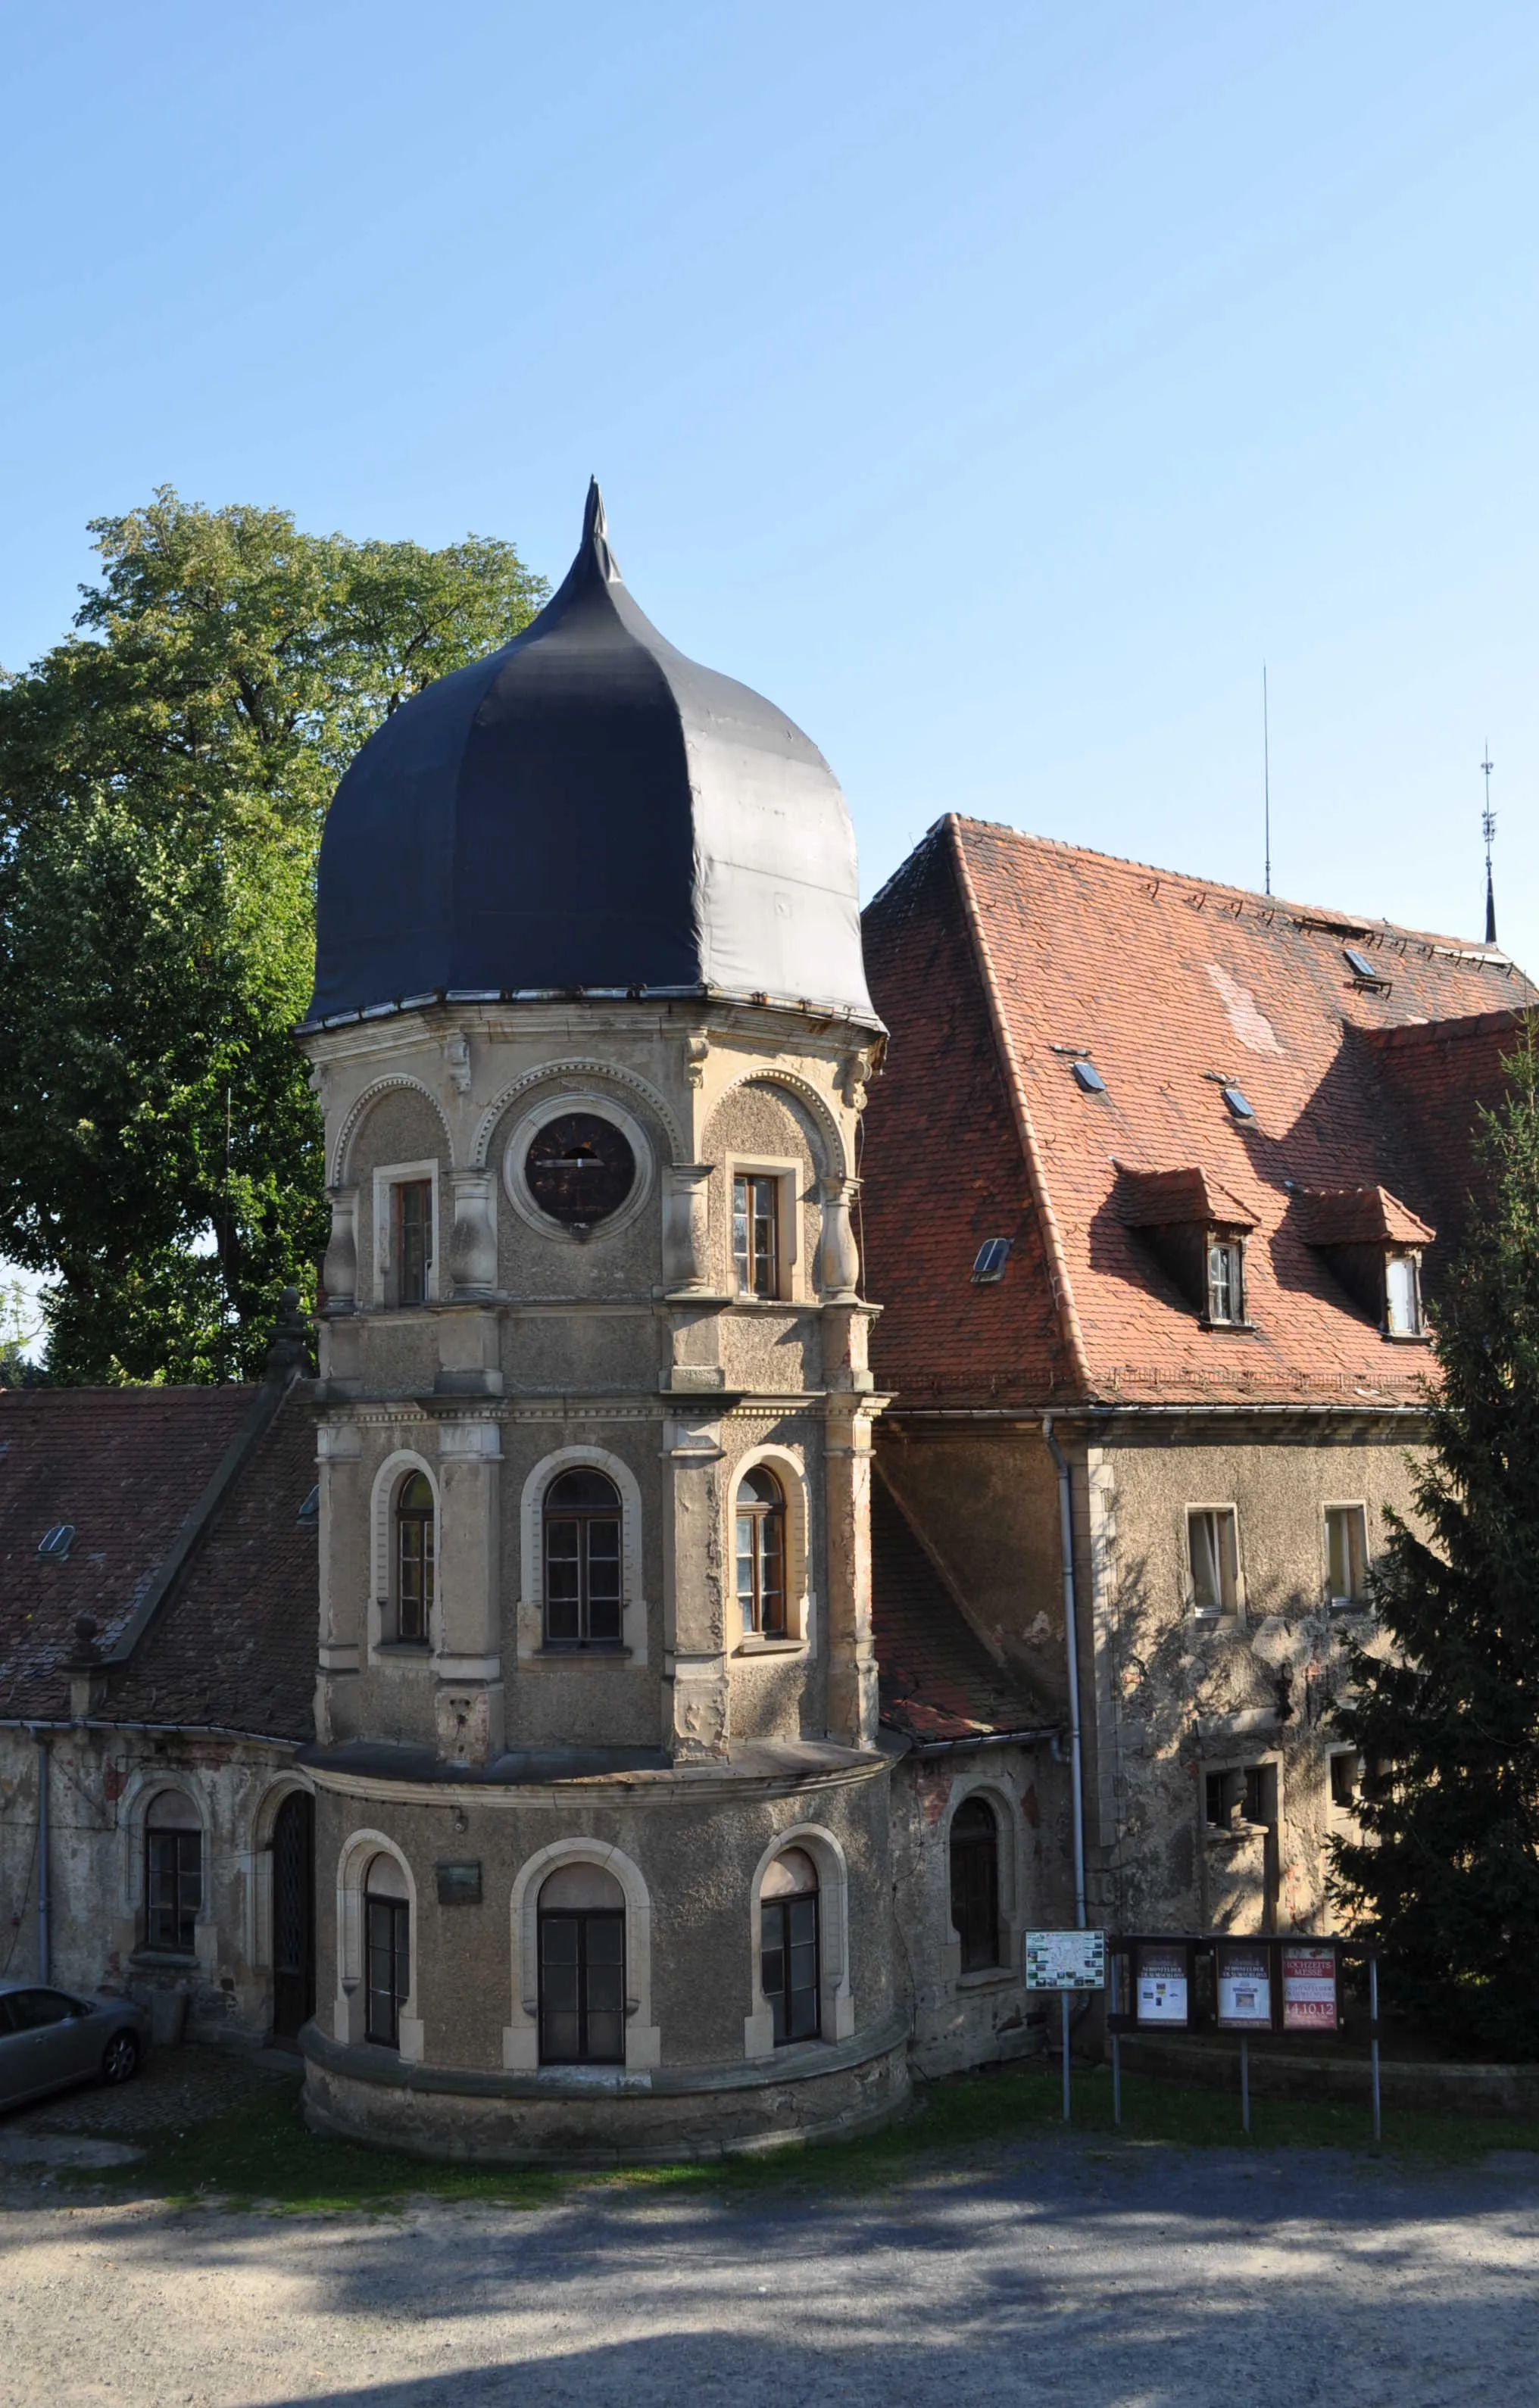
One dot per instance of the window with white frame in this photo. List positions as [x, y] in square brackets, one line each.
[416, 1559]
[1402, 1295]
[756, 1232]
[1226, 1282]
[1345, 1553]
[1213, 1557]
[406, 1234]
[790, 1975]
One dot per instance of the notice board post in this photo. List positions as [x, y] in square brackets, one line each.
[1066, 1961]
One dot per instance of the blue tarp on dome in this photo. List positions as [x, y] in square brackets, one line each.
[588, 809]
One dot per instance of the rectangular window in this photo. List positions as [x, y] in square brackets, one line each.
[413, 1240]
[1402, 1297]
[1345, 1553]
[174, 1889]
[1346, 1779]
[1226, 1282]
[1214, 1556]
[389, 1944]
[788, 1966]
[583, 1989]
[756, 1233]
[1243, 1796]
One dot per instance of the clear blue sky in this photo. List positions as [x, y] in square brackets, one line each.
[992, 386]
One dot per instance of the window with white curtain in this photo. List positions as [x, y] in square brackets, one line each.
[1214, 1559]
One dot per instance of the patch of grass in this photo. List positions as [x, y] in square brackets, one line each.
[264, 2153]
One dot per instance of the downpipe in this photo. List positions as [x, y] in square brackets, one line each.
[1070, 1634]
[43, 1963]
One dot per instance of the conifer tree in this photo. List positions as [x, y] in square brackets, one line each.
[1446, 1875]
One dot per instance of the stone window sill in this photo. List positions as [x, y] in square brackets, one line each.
[583, 1650]
[759, 1646]
[404, 1651]
[988, 1977]
[175, 1960]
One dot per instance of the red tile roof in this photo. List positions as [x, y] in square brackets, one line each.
[994, 959]
[937, 1678]
[1354, 1216]
[135, 1471]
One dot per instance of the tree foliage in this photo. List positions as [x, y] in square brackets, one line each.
[165, 774]
[1446, 1872]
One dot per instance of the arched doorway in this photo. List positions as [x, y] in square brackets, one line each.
[293, 1915]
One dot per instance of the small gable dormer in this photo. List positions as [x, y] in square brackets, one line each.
[1196, 1229]
[1371, 1243]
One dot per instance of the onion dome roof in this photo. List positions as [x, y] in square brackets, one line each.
[587, 812]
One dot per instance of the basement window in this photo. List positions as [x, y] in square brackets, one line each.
[1212, 1557]
[989, 1262]
[1345, 1553]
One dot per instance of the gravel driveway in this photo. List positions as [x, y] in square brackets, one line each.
[1068, 2272]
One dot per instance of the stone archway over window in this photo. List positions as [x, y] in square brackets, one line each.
[836, 2002]
[520, 2036]
[360, 1875]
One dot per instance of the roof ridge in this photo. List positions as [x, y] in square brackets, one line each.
[1371, 922]
[1053, 1246]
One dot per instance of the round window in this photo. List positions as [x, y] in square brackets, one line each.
[580, 1170]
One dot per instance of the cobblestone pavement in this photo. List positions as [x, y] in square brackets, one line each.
[173, 2087]
[1083, 2276]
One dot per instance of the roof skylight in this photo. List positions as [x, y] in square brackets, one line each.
[1089, 1078]
[1359, 964]
[1239, 1103]
[55, 1543]
[310, 1510]
[993, 1254]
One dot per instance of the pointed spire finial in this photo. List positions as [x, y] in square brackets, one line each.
[596, 534]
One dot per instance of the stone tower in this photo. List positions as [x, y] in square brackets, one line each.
[601, 1814]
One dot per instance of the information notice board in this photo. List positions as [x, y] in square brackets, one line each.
[1066, 1960]
[1245, 1987]
[1309, 1987]
[1164, 1989]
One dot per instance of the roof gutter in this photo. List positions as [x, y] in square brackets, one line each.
[1040, 1735]
[1070, 1641]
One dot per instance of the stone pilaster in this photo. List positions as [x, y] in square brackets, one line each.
[695, 1719]
[339, 1271]
[343, 1542]
[852, 1662]
[469, 1697]
[687, 1228]
[472, 1249]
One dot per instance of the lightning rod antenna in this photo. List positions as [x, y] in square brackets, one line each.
[1488, 829]
[1266, 773]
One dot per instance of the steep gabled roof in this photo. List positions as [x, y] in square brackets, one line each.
[185, 1550]
[937, 1680]
[1230, 1032]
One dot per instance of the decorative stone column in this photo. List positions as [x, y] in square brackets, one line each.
[695, 1676]
[473, 1236]
[687, 1228]
[468, 1699]
[839, 1263]
[339, 1271]
[344, 1572]
[852, 1661]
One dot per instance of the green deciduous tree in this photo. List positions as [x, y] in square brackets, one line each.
[1446, 1872]
[163, 778]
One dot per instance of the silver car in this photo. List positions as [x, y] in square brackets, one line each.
[50, 2037]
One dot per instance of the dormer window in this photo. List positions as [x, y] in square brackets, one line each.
[1402, 1295]
[1226, 1280]
[1196, 1230]
[1372, 1245]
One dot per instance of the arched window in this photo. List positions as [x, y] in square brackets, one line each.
[387, 1943]
[788, 1949]
[761, 1553]
[173, 1888]
[582, 1968]
[415, 1559]
[976, 1882]
[583, 1600]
